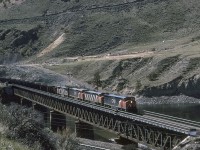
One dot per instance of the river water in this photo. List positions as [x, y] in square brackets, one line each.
[186, 111]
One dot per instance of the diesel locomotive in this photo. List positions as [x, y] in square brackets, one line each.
[106, 99]
[118, 102]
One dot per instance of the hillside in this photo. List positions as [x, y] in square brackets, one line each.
[60, 32]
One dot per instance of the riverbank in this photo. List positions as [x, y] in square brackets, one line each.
[181, 99]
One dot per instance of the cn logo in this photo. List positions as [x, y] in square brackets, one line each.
[113, 101]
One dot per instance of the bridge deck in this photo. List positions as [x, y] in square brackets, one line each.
[155, 119]
[153, 129]
[185, 123]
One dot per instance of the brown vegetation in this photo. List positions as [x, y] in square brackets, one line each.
[27, 127]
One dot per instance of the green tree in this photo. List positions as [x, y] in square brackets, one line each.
[97, 80]
[138, 85]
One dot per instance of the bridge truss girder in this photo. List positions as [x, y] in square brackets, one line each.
[137, 131]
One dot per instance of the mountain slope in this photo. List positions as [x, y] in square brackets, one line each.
[102, 26]
[167, 28]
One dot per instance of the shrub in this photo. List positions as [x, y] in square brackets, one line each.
[163, 66]
[138, 85]
[27, 126]
[193, 64]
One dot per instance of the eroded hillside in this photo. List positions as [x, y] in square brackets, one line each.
[72, 36]
[101, 26]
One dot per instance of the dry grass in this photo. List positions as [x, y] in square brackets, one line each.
[170, 60]
[168, 28]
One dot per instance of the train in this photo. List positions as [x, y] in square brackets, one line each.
[117, 102]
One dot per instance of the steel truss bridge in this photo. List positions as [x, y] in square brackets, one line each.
[152, 129]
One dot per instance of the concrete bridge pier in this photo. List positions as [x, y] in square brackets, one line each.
[25, 102]
[48, 118]
[33, 105]
[84, 130]
[21, 101]
[55, 121]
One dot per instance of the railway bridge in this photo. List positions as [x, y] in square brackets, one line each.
[155, 130]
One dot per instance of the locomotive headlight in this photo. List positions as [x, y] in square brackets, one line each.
[131, 102]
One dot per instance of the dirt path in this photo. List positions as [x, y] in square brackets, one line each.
[110, 57]
[119, 57]
[61, 38]
[52, 46]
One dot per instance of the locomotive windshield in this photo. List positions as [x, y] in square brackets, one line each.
[130, 98]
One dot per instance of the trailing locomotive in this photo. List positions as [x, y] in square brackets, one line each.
[105, 99]
[117, 102]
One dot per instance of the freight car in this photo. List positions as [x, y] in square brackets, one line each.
[117, 102]
[94, 97]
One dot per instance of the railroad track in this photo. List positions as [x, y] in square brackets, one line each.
[172, 118]
[169, 122]
[91, 147]
[149, 119]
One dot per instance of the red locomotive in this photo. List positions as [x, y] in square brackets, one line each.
[117, 102]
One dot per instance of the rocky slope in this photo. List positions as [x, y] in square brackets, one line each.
[168, 29]
[102, 26]
[39, 74]
[16, 44]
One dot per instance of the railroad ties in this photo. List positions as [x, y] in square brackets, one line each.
[155, 130]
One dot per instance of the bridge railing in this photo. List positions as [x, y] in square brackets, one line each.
[130, 126]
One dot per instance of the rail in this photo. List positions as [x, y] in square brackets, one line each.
[159, 123]
[172, 118]
[93, 147]
[152, 128]
[164, 123]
